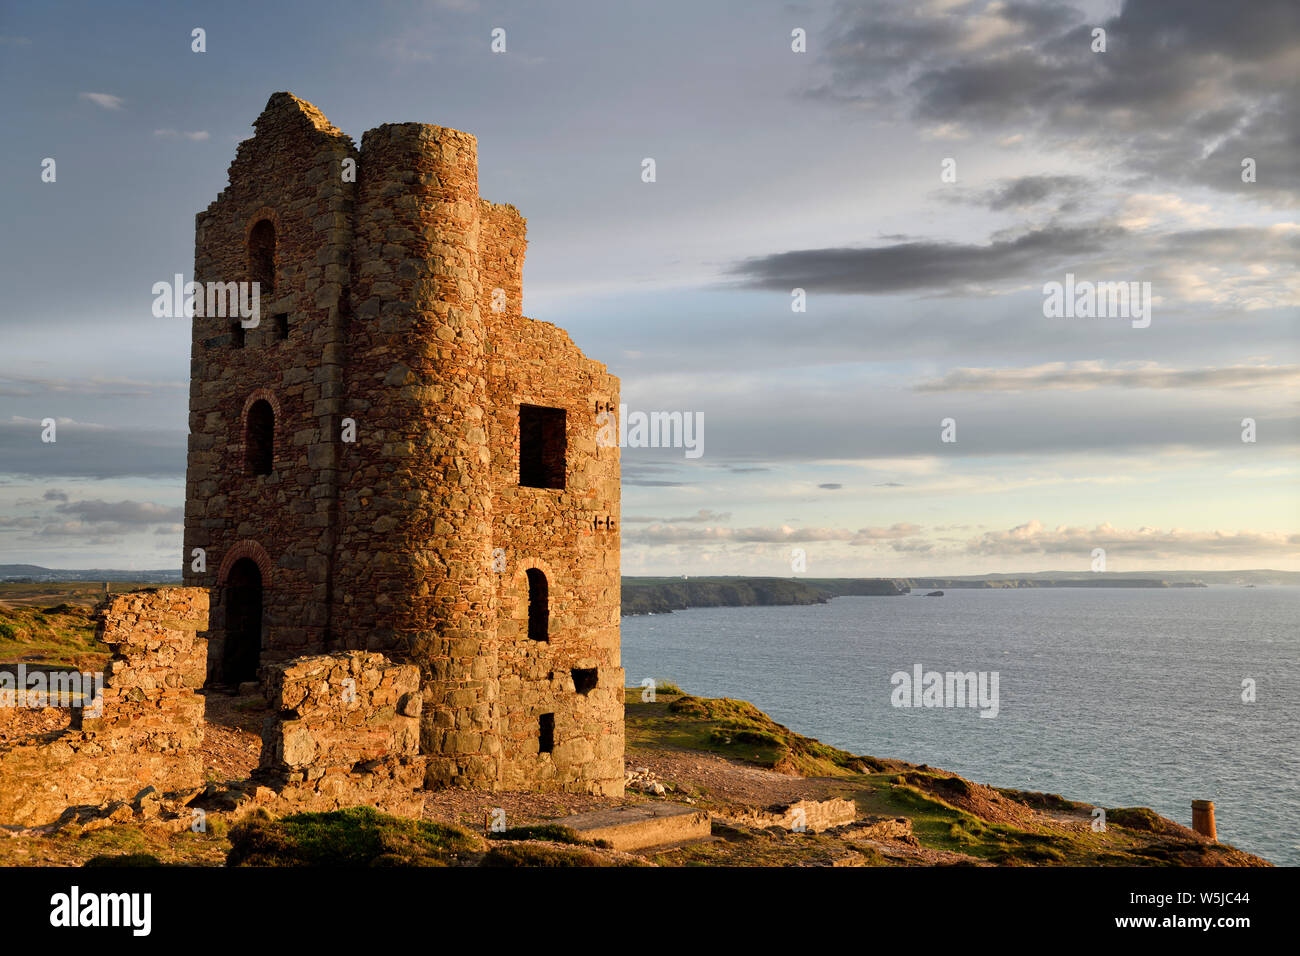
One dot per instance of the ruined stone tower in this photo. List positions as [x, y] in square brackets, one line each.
[395, 459]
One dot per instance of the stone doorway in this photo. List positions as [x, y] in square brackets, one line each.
[243, 639]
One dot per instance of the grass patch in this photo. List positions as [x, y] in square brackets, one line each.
[356, 836]
[60, 636]
[1143, 819]
[736, 729]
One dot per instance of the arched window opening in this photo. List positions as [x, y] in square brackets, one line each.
[259, 438]
[242, 652]
[539, 611]
[261, 256]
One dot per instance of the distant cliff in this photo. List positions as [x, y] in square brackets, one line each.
[662, 595]
[1097, 582]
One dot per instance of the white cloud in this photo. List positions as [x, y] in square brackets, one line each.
[1035, 538]
[196, 136]
[107, 100]
[1084, 375]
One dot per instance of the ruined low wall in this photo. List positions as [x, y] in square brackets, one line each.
[344, 730]
[148, 725]
[813, 816]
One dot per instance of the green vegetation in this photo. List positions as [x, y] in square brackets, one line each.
[362, 836]
[59, 636]
[357, 836]
[661, 595]
[736, 729]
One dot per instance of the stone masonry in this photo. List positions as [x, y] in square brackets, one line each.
[396, 460]
[150, 722]
[344, 730]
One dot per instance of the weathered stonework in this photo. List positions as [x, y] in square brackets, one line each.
[344, 730]
[812, 816]
[150, 724]
[396, 311]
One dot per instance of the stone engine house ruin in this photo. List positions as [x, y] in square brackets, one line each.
[394, 459]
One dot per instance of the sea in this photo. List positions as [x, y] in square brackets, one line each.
[1116, 697]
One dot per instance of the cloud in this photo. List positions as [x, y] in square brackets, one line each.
[1089, 375]
[704, 515]
[55, 494]
[21, 386]
[923, 265]
[1023, 192]
[1183, 94]
[15, 41]
[107, 100]
[1034, 538]
[90, 450]
[1246, 267]
[669, 534]
[121, 512]
[196, 136]
[831, 486]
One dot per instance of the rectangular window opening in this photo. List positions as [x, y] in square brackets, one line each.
[237, 334]
[584, 680]
[282, 326]
[546, 734]
[542, 447]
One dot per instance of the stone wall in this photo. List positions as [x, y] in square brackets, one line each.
[150, 722]
[344, 730]
[415, 509]
[571, 535]
[812, 816]
[413, 540]
[290, 174]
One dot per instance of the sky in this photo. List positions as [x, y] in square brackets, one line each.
[921, 170]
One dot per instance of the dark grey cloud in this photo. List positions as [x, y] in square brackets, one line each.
[95, 511]
[922, 265]
[1024, 192]
[1037, 255]
[91, 451]
[831, 486]
[1183, 91]
[744, 469]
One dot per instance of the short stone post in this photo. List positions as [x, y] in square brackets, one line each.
[1203, 819]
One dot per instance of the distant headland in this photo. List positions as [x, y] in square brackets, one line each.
[660, 595]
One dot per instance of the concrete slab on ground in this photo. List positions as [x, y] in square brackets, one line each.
[642, 825]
